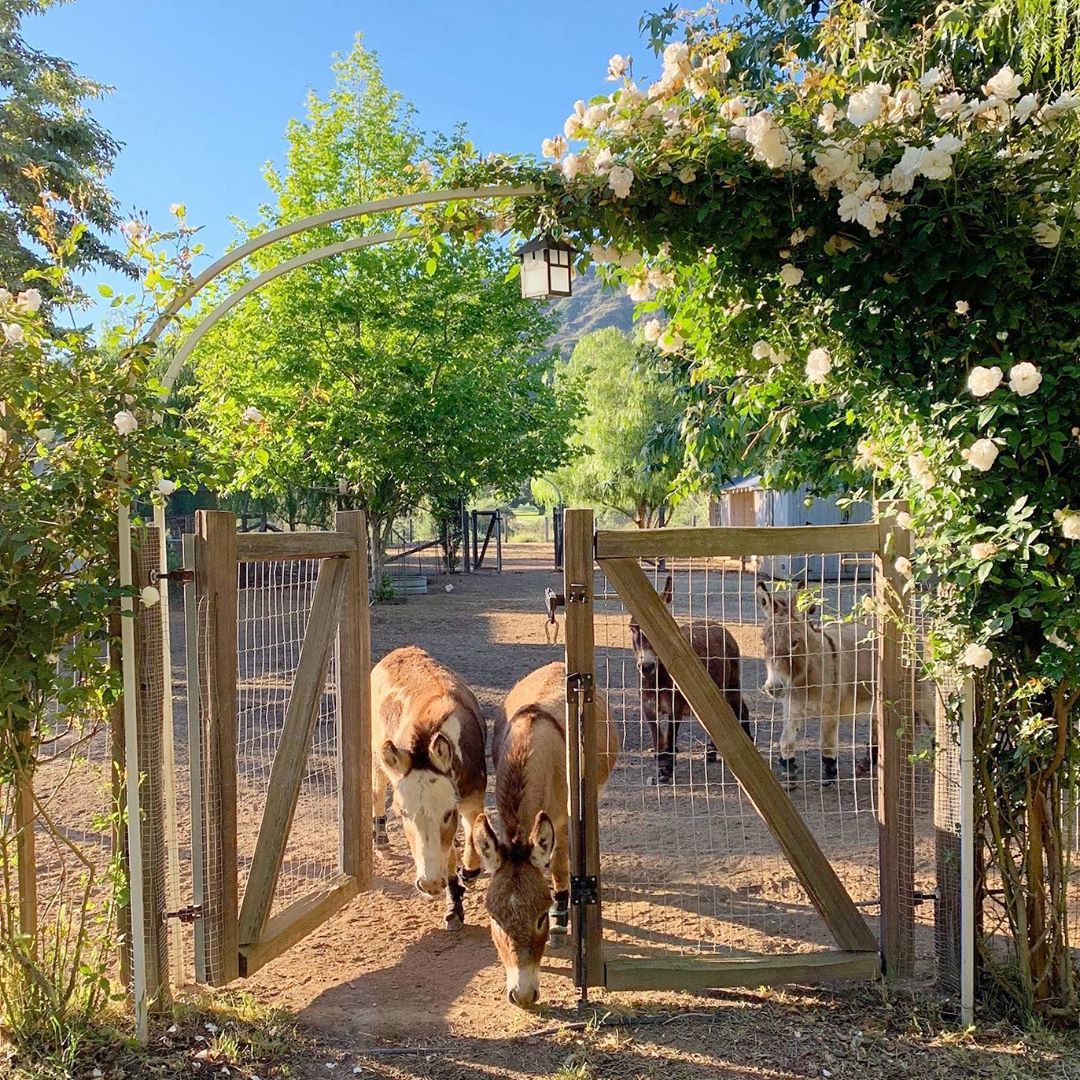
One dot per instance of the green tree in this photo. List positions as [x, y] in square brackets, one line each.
[50, 142]
[410, 373]
[627, 456]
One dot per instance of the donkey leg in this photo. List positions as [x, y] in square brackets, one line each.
[469, 807]
[789, 736]
[455, 903]
[560, 879]
[665, 754]
[378, 808]
[829, 725]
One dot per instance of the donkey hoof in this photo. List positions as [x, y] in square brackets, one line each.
[711, 754]
[789, 767]
[455, 921]
[828, 769]
[469, 876]
[864, 766]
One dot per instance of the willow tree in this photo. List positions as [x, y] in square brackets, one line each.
[411, 373]
[865, 240]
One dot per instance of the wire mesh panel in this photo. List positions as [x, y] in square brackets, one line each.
[274, 601]
[688, 864]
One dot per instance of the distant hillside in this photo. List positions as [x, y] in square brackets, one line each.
[592, 307]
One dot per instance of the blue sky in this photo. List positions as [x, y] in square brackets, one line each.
[203, 89]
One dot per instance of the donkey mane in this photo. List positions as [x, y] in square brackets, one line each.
[512, 779]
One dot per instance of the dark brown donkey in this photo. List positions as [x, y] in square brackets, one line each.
[529, 750]
[427, 740]
[663, 706]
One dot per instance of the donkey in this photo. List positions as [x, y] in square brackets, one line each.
[428, 742]
[663, 705]
[816, 670]
[529, 750]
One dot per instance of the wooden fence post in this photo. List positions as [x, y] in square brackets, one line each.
[149, 712]
[216, 569]
[580, 661]
[354, 675]
[118, 764]
[895, 739]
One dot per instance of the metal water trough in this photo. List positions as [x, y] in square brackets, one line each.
[411, 585]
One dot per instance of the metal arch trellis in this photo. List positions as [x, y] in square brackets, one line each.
[140, 989]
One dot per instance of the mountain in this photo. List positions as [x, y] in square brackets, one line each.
[592, 307]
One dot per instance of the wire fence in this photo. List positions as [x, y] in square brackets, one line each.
[687, 863]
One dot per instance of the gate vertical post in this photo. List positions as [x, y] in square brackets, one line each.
[216, 570]
[354, 676]
[895, 738]
[150, 712]
[581, 744]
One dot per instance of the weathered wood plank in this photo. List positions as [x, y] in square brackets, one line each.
[354, 673]
[215, 582]
[895, 738]
[280, 547]
[580, 659]
[290, 760]
[713, 973]
[293, 924]
[796, 841]
[734, 542]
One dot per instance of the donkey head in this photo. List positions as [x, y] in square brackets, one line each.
[427, 799]
[784, 635]
[518, 899]
[648, 663]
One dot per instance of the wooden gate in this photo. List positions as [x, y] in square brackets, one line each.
[238, 930]
[857, 952]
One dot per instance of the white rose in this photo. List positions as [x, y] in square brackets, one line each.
[905, 105]
[977, 656]
[639, 291]
[619, 180]
[125, 422]
[687, 174]
[948, 105]
[5, 297]
[628, 259]
[962, 307]
[931, 78]
[149, 596]
[981, 454]
[818, 365]
[603, 255]
[982, 380]
[571, 166]
[1070, 526]
[650, 330]
[572, 126]
[1024, 379]
[165, 487]
[904, 520]
[1025, 107]
[595, 116]
[133, 230]
[177, 209]
[1005, 85]
[736, 108]
[864, 106]
[903, 566]
[671, 342]
[1063, 104]
[252, 415]
[29, 301]
[13, 333]
[603, 160]
[617, 67]
[790, 275]
[826, 119]
[984, 550]
[677, 58]
[1047, 233]
[553, 148]
[762, 350]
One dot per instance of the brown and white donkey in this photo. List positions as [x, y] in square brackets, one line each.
[663, 706]
[427, 741]
[529, 750]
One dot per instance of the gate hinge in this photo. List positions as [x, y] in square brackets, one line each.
[185, 915]
[584, 890]
[578, 594]
[582, 683]
[184, 577]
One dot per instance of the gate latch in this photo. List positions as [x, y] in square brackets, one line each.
[553, 601]
[579, 683]
[584, 890]
[185, 915]
[579, 594]
[184, 577]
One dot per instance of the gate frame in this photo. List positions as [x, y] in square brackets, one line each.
[860, 955]
[236, 937]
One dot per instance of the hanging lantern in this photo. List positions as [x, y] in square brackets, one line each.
[546, 268]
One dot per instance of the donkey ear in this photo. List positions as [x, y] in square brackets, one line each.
[486, 843]
[441, 753]
[542, 840]
[765, 598]
[666, 594]
[397, 762]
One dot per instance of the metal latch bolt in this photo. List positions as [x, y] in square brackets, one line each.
[185, 915]
[580, 683]
[184, 577]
